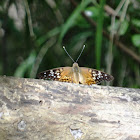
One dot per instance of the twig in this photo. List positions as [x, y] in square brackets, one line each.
[56, 11]
[29, 18]
[122, 17]
[113, 31]
[41, 55]
[116, 42]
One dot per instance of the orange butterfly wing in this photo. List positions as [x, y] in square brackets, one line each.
[63, 74]
[92, 76]
[86, 76]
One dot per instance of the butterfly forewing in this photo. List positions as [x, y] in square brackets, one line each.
[53, 74]
[62, 74]
[100, 76]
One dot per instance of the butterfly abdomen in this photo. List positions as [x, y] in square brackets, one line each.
[76, 73]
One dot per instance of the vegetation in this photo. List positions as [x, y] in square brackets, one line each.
[33, 33]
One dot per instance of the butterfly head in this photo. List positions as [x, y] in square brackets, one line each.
[75, 64]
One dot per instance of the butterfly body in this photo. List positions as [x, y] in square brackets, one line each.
[76, 74]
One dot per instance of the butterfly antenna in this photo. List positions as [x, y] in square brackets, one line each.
[68, 54]
[80, 53]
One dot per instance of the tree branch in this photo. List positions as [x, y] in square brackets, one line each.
[38, 109]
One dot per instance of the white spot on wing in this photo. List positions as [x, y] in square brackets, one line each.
[94, 78]
[51, 72]
[99, 73]
[94, 74]
[58, 73]
[58, 76]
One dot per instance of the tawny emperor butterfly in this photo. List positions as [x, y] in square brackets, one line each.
[76, 74]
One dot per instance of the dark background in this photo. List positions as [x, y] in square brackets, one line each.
[33, 33]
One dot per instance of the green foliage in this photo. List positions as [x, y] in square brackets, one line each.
[123, 27]
[136, 22]
[71, 20]
[136, 40]
[32, 35]
[25, 65]
[42, 39]
[99, 34]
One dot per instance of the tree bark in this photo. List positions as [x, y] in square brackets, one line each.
[32, 109]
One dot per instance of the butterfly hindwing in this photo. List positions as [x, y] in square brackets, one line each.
[66, 75]
[93, 76]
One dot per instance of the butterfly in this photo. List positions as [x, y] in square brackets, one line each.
[76, 74]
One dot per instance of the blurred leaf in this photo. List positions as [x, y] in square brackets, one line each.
[90, 12]
[136, 40]
[136, 22]
[23, 67]
[71, 20]
[99, 30]
[123, 27]
[48, 35]
[81, 36]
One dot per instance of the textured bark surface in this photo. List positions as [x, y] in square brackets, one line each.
[32, 109]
